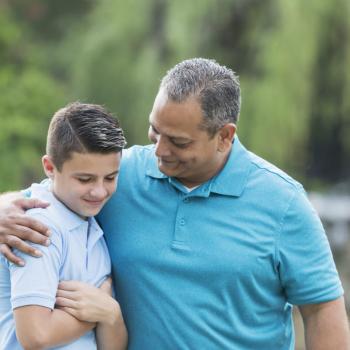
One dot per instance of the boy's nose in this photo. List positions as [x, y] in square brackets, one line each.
[99, 192]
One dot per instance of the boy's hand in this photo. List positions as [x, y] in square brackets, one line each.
[88, 303]
[15, 227]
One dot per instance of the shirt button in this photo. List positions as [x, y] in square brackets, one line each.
[186, 199]
[182, 222]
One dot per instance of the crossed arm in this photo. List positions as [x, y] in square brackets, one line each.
[79, 307]
[39, 327]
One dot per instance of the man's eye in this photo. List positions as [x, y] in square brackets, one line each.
[181, 145]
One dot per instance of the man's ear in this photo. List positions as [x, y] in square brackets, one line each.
[48, 166]
[226, 135]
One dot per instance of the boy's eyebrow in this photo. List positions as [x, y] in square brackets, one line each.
[89, 174]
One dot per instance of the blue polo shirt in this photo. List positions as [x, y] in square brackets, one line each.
[218, 267]
[77, 252]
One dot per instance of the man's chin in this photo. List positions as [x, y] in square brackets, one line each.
[168, 171]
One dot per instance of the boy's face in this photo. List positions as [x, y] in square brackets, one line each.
[85, 182]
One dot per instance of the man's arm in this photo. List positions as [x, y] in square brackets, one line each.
[38, 327]
[15, 227]
[326, 325]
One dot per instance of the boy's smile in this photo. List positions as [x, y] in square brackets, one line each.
[85, 182]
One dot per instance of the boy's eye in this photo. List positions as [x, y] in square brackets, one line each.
[110, 178]
[83, 179]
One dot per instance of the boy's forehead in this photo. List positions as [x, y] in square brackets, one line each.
[92, 163]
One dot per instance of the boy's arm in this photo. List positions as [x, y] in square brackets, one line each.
[38, 327]
[113, 335]
[33, 292]
[89, 303]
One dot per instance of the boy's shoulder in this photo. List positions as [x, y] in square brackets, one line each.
[55, 216]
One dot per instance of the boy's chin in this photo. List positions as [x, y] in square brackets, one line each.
[85, 213]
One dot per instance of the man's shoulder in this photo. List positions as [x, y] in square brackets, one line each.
[271, 174]
[137, 155]
[137, 151]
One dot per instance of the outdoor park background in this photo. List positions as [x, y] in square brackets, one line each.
[292, 56]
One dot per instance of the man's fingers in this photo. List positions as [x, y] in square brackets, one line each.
[29, 203]
[33, 224]
[28, 234]
[6, 251]
[15, 242]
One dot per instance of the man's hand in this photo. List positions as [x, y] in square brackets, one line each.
[15, 226]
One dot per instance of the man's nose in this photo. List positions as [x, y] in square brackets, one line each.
[162, 147]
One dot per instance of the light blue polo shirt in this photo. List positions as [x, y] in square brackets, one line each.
[217, 267]
[77, 252]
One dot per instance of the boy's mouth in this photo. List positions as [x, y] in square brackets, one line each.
[94, 202]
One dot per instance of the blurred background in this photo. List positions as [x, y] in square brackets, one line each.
[293, 59]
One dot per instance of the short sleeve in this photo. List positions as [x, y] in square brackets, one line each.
[306, 266]
[36, 283]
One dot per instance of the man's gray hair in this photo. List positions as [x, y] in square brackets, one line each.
[216, 87]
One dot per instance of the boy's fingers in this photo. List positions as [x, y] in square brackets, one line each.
[106, 286]
[71, 285]
[63, 302]
[65, 294]
[6, 251]
[15, 242]
[29, 203]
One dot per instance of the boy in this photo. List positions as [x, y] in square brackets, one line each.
[84, 146]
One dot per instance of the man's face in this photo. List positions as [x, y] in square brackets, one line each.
[183, 149]
[86, 181]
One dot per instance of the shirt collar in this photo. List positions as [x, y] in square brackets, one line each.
[230, 181]
[42, 191]
[152, 169]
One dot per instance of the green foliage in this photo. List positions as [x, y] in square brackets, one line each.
[28, 98]
[291, 57]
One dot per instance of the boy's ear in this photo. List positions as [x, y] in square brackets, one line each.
[226, 135]
[48, 166]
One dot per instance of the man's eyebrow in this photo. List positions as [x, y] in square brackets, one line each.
[172, 137]
[179, 139]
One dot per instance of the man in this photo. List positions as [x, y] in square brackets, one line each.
[210, 244]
